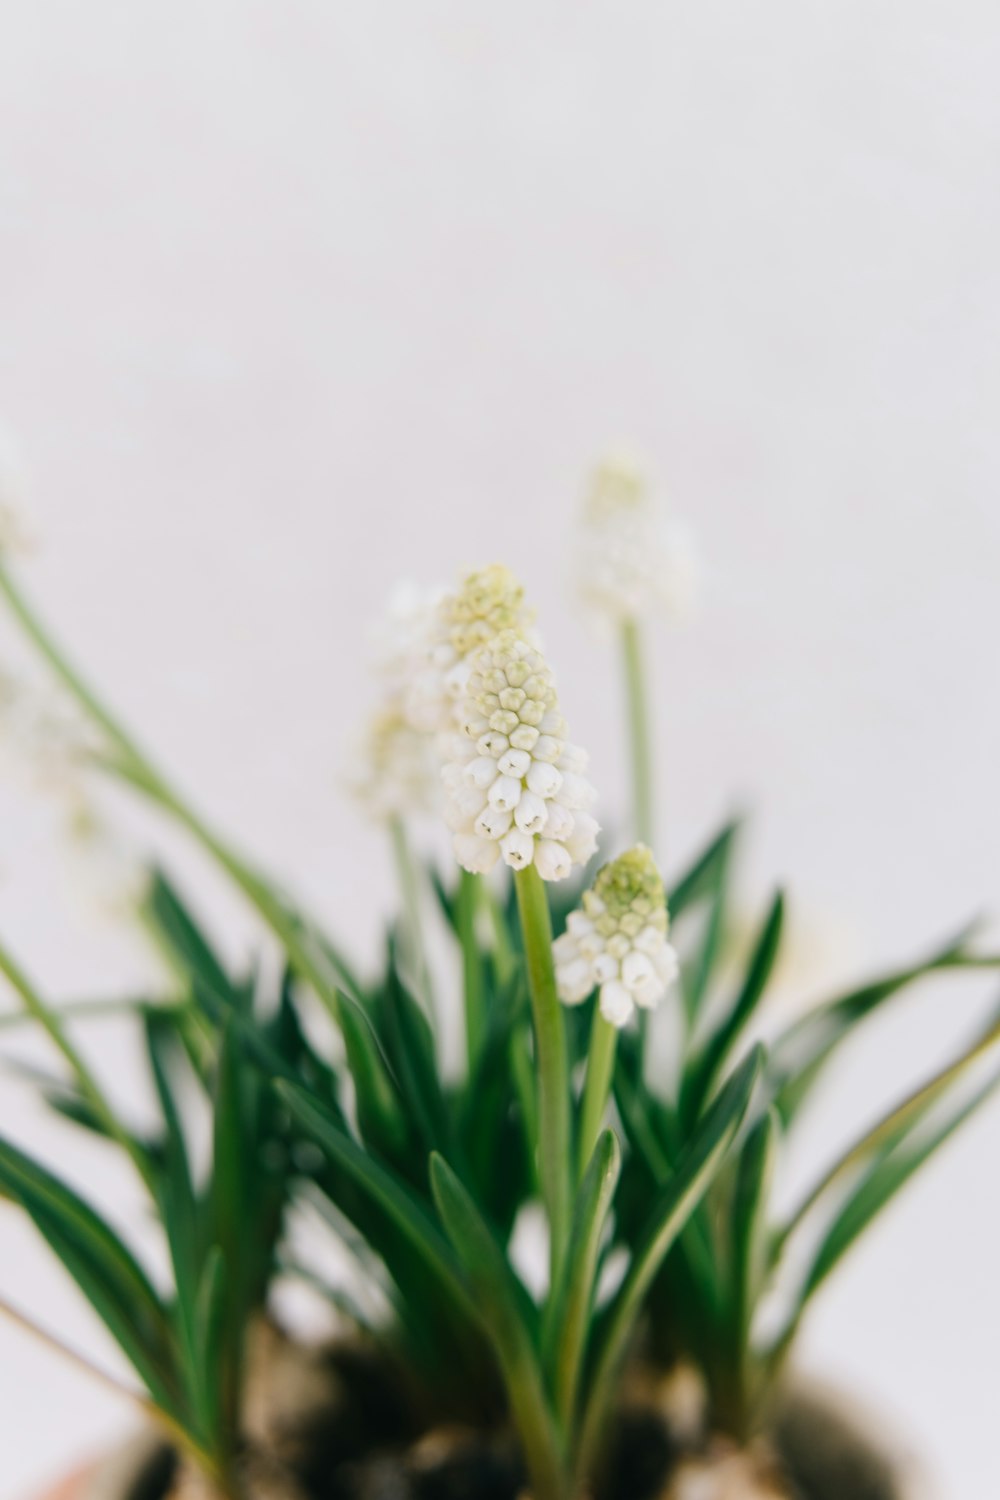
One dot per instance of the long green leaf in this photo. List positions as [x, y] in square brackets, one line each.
[386, 1189]
[893, 1125]
[802, 1051]
[702, 1072]
[570, 1309]
[683, 1192]
[501, 1308]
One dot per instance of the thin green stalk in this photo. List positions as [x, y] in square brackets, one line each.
[596, 1089]
[134, 766]
[52, 1024]
[640, 735]
[472, 968]
[151, 1412]
[409, 885]
[551, 1062]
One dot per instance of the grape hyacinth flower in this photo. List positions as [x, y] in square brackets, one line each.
[631, 559]
[617, 941]
[396, 766]
[487, 602]
[515, 787]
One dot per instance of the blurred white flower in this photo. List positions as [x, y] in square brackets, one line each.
[395, 771]
[105, 871]
[487, 601]
[631, 560]
[514, 787]
[617, 940]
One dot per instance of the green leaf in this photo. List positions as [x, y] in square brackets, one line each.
[702, 1072]
[180, 936]
[702, 877]
[410, 1044]
[709, 880]
[884, 1180]
[105, 1271]
[568, 1320]
[678, 1200]
[750, 1231]
[894, 1126]
[799, 1055]
[501, 1307]
[381, 1116]
[384, 1188]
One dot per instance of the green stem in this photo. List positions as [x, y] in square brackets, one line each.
[89, 1087]
[132, 764]
[553, 1071]
[472, 968]
[640, 735]
[600, 1067]
[409, 884]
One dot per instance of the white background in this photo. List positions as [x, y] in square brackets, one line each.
[299, 298]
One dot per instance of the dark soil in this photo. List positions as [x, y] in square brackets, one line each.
[335, 1424]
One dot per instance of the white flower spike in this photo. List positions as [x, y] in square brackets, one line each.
[514, 787]
[617, 941]
[487, 601]
[631, 560]
[396, 774]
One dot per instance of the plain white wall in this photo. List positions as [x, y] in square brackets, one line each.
[296, 299]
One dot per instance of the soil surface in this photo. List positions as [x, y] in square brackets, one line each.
[334, 1424]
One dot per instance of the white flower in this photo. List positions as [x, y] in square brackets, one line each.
[396, 768]
[617, 940]
[631, 560]
[514, 788]
[487, 601]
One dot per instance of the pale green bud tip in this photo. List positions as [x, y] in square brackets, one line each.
[488, 601]
[617, 941]
[631, 883]
[617, 484]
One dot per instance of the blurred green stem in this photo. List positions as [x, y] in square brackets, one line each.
[640, 735]
[409, 885]
[600, 1067]
[131, 763]
[87, 1083]
[550, 1059]
[472, 969]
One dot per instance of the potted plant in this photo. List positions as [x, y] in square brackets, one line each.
[637, 1364]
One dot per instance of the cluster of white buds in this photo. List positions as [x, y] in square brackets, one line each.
[631, 560]
[515, 788]
[397, 767]
[617, 941]
[487, 601]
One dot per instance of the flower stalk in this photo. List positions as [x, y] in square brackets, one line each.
[638, 717]
[554, 1146]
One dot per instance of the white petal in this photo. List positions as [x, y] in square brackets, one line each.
[544, 779]
[514, 763]
[518, 849]
[579, 924]
[561, 823]
[505, 793]
[492, 822]
[576, 791]
[532, 813]
[582, 842]
[553, 860]
[481, 772]
[574, 981]
[605, 968]
[616, 1003]
[477, 855]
